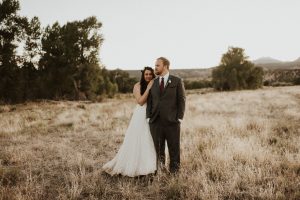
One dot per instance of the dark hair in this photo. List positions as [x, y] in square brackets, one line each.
[165, 61]
[143, 82]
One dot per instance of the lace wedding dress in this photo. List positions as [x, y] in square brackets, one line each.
[136, 155]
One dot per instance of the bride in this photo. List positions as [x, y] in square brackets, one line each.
[136, 155]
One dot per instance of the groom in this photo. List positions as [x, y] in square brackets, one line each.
[165, 110]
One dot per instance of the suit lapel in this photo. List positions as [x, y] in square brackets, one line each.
[156, 85]
[168, 81]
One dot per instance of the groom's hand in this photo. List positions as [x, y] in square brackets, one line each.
[180, 120]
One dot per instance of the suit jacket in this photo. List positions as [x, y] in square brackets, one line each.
[170, 105]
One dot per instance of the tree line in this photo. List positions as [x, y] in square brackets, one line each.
[55, 62]
[62, 62]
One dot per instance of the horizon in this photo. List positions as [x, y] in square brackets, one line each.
[191, 68]
[191, 34]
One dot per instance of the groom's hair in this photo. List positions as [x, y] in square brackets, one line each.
[165, 61]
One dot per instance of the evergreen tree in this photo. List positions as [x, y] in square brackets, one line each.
[11, 31]
[32, 52]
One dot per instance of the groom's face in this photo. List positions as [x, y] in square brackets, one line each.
[159, 67]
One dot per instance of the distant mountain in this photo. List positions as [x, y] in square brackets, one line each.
[271, 64]
[297, 60]
[190, 74]
[265, 60]
[267, 63]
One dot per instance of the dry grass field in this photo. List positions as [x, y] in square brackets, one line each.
[234, 145]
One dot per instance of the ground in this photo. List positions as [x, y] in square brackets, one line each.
[234, 145]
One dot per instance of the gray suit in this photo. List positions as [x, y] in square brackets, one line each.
[164, 109]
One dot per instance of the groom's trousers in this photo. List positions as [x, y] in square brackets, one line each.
[162, 132]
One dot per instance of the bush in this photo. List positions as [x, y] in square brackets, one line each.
[189, 85]
[121, 78]
[297, 81]
[236, 72]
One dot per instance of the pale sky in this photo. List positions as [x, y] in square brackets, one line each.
[191, 33]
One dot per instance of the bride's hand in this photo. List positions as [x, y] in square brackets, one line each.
[150, 84]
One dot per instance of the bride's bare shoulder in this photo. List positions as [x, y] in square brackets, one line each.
[137, 84]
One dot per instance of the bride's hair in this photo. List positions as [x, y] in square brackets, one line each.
[143, 82]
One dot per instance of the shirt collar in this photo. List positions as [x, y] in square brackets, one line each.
[166, 76]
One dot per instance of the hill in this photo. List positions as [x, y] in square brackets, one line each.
[282, 65]
[186, 74]
[269, 63]
[297, 60]
[205, 74]
[276, 72]
[265, 60]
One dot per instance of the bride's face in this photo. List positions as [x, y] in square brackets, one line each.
[148, 75]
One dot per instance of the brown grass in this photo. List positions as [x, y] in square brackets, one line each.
[234, 145]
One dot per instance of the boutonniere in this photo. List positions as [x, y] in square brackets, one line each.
[169, 81]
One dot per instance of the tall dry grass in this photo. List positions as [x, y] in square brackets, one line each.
[234, 145]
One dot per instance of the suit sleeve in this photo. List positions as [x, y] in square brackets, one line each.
[180, 99]
[149, 105]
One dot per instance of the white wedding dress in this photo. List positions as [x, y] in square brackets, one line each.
[136, 155]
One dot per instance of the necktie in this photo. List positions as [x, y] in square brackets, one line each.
[162, 85]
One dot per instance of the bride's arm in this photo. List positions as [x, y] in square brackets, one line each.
[141, 99]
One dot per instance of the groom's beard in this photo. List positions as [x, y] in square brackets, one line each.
[158, 73]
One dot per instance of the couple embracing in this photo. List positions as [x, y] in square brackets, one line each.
[155, 121]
